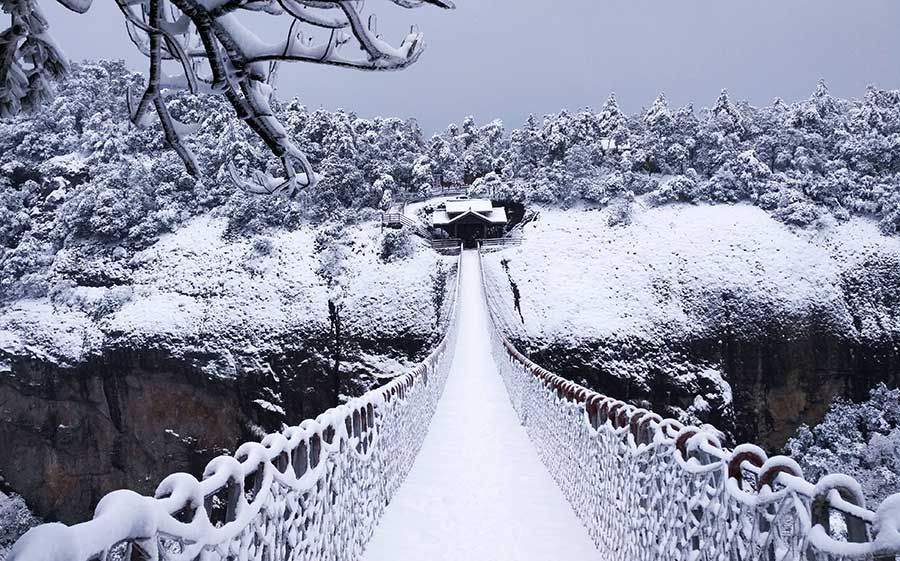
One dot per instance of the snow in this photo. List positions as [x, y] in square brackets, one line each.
[477, 490]
[888, 523]
[677, 274]
[15, 520]
[459, 206]
[411, 210]
[269, 406]
[195, 288]
[42, 330]
[661, 277]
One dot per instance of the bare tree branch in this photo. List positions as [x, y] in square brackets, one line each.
[218, 54]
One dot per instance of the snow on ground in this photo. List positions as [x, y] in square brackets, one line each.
[676, 272]
[39, 329]
[193, 287]
[477, 490]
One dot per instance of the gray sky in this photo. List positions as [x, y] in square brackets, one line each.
[509, 58]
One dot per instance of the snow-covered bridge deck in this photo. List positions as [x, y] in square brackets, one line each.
[478, 489]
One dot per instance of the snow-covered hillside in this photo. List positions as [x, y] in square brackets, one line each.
[195, 290]
[654, 278]
[649, 303]
[147, 361]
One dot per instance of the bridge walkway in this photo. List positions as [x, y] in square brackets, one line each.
[478, 490]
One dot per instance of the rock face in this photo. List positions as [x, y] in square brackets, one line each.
[129, 418]
[126, 420]
[777, 383]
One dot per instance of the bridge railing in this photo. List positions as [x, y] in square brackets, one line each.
[649, 488]
[313, 492]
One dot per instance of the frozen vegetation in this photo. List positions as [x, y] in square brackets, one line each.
[193, 291]
[15, 520]
[106, 240]
[861, 440]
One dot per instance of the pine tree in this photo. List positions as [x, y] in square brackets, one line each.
[612, 123]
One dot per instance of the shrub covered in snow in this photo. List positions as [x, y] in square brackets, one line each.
[620, 211]
[15, 520]
[858, 439]
[396, 244]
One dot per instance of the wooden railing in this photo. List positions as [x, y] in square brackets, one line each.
[450, 244]
[397, 220]
[491, 243]
[454, 191]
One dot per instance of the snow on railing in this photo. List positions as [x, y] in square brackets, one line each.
[450, 244]
[494, 243]
[313, 492]
[398, 219]
[649, 488]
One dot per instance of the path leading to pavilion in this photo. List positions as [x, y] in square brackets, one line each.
[478, 491]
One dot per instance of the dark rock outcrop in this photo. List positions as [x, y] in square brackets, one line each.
[781, 383]
[778, 382]
[129, 418]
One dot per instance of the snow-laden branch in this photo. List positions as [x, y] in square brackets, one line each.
[217, 54]
[29, 59]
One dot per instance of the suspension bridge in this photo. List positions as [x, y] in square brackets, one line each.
[478, 453]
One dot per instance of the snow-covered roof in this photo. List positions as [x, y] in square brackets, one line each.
[459, 206]
[496, 215]
[456, 209]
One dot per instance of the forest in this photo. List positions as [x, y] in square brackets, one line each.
[79, 171]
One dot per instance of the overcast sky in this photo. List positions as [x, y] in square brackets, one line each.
[508, 58]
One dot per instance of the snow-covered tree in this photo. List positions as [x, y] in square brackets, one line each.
[612, 123]
[489, 186]
[29, 58]
[658, 118]
[483, 148]
[528, 145]
[724, 116]
[214, 52]
[861, 440]
[15, 520]
[657, 140]
[447, 159]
